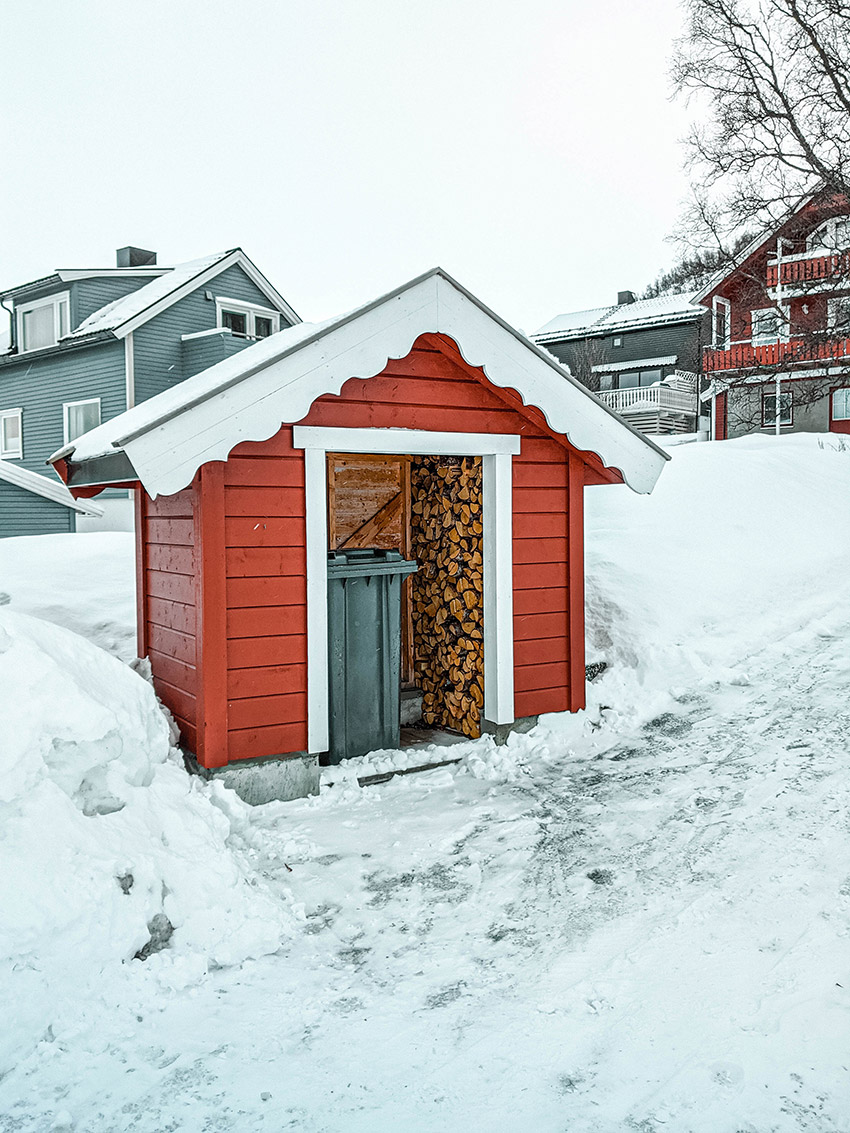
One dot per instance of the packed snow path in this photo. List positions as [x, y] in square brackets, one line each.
[648, 939]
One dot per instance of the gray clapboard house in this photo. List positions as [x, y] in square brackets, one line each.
[641, 356]
[88, 344]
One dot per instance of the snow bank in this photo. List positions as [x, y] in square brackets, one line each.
[85, 582]
[101, 831]
[741, 544]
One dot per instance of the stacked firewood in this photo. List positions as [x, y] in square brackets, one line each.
[447, 592]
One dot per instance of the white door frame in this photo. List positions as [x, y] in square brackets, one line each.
[497, 450]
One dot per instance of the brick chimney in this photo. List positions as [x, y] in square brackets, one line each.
[130, 257]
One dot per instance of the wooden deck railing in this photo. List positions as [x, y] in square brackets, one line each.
[809, 269]
[743, 355]
[656, 397]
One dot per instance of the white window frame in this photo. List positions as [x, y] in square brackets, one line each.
[781, 330]
[717, 303]
[497, 451]
[845, 391]
[786, 396]
[833, 306]
[816, 242]
[66, 405]
[56, 301]
[250, 310]
[12, 454]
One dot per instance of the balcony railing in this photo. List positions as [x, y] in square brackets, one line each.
[743, 355]
[809, 269]
[655, 398]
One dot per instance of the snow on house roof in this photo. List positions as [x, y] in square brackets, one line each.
[120, 311]
[45, 486]
[620, 316]
[249, 395]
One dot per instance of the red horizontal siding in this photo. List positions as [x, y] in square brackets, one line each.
[263, 531]
[172, 643]
[266, 679]
[276, 591]
[275, 621]
[172, 615]
[263, 711]
[244, 562]
[252, 652]
[259, 743]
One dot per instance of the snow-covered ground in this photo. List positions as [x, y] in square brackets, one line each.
[635, 918]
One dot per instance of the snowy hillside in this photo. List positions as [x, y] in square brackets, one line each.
[635, 918]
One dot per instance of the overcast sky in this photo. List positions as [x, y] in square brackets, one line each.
[531, 148]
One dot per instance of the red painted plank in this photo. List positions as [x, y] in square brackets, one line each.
[260, 621]
[369, 415]
[266, 679]
[268, 472]
[540, 651]
[188, 732]
[278, 445]
[173, 560]
[552, 599]
[177, 701]
[252, 562]
[540, 499]
[539, 576]
[260, 531]
[210, 602]
[253, 652]
[177, 532]
[178, 506]
[540, 449]
[263, 711]
[540, 551]
[177, 673]
[171, 615]
[538, 525]
[531, 627]
[176, 587]
[140, 500]
[529, 677]
[255, 743]
[247, 501]
[531, 474]
[288, 591]
[420, 391]
[171, 643]
[538, 701]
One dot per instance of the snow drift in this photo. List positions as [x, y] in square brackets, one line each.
[102, 834]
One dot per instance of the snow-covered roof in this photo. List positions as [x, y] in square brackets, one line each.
[123, 315]
[249, 395]
[45, 486]
[636, 364]
[620, 316]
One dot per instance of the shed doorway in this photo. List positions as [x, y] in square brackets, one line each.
[430, 509]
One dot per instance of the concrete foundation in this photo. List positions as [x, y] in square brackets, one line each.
[259, 781]
[500, 732]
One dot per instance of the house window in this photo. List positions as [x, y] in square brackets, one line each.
[833, 235]
[838, 314]
[606, 382]
[43, 322]
[11, 434]
[767, 326]
[841, 404]
[768, 409]
[79, 417]
[617, 341]
[246, 319]
[633, 378]
[720, 322]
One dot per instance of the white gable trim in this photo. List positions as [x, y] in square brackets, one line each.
[248, 396]
[44, 486]
[497, 451]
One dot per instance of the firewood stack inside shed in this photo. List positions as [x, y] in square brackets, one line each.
[447, 593]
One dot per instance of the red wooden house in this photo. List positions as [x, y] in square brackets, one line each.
[237, 468]
[779, 359]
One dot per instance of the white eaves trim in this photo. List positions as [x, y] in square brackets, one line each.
[46, 487]
[249, 395]
[638, 364]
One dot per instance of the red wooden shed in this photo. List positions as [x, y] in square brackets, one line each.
[348, 432]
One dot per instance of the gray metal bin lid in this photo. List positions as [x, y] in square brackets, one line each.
[368, 561]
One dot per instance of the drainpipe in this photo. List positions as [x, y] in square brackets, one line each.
[776, 428]
[11, 314]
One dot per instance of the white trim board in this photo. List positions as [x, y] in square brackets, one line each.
[49, 489]
[497, 451]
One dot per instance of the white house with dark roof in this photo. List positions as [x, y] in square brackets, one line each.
[87, 344]
[641, 356]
